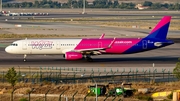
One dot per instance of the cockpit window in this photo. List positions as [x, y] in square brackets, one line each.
[14, 44]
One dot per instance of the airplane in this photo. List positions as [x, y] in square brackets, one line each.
[75, 49]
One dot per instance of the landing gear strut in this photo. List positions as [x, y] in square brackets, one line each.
[25, 57]
[88, 58]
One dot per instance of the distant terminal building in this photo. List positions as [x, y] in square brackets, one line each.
[141, 7]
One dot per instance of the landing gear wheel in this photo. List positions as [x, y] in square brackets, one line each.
[25, 57]
[88, 58]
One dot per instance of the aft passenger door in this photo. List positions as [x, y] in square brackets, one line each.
[99, 44]
[144, 44]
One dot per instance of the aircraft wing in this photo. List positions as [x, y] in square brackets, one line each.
[95, 50]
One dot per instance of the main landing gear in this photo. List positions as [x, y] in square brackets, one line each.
[88, 58]
[25, 57]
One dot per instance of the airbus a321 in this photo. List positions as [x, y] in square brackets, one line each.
[74, 49]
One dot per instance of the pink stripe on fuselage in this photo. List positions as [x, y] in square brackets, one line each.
[120, 45]
[162, 22]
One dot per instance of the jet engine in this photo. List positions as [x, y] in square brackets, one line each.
[73, 56]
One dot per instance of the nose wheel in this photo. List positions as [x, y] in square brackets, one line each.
[25, 57]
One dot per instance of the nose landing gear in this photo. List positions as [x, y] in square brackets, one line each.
[25, 57]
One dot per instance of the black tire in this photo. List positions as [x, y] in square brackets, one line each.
[89, 59]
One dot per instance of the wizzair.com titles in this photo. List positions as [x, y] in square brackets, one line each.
[123, 42]
[41, 44]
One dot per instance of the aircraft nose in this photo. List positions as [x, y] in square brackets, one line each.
[8, 49]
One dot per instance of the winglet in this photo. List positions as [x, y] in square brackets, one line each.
[110, 45]
[102, 36]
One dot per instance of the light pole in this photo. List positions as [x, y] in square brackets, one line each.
[1, 6]
[84, 5]
[96, 93]
[23, 75]
[96, 89]
[153, 72]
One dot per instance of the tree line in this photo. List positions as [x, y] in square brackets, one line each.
[94, 4]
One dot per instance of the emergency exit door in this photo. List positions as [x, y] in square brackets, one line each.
[24, 45]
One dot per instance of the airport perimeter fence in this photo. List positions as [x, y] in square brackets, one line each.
[58, 97]
[66, 75]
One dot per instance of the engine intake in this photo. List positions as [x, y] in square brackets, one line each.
[73, 56]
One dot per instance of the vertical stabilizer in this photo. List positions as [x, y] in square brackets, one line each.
[161, 29]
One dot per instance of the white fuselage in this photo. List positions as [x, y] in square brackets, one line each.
[42, 46]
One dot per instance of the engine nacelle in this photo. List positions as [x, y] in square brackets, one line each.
[73, 56]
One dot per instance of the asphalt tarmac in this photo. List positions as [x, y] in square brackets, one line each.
[164, 58]
[14, 20]
[78, 15]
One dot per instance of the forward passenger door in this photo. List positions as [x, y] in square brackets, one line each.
[24, 45]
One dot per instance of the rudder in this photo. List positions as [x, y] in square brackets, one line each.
[161, 29]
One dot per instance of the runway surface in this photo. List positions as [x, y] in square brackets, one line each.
[14, 20]
[100, 14]
[63, 28]
[76, 29]
[164, 58]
